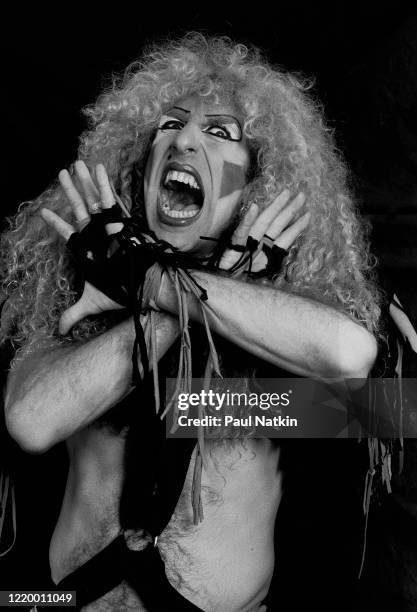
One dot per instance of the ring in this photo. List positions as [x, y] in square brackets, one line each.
[268, 240]
[94, 207]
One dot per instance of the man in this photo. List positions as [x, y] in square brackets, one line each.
[201, 139]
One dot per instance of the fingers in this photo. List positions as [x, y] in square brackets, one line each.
[106, 193]
[286, 216]
[288, 237]
[241, 233]
[106, 196]
[77, 203]
[90, 191]
[275, 218]
[86, 199]
[77, 312]
[281, 223]
[63, 228]
[92, 301]
[268, 215]
[240, 236]
[70, 317]
[260, 261]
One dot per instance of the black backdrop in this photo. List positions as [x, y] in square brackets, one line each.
[364, 58]
[54, 64]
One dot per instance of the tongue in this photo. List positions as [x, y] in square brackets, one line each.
[181, 200]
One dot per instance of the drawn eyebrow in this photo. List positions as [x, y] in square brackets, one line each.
[222, 115]
[184, 110]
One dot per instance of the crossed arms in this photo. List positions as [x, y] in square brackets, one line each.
[53, 394]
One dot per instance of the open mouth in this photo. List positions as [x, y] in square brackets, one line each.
[181, 196]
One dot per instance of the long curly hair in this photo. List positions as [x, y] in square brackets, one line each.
[291, 147]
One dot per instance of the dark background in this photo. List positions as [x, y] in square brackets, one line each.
[363, 55]
[364, 58]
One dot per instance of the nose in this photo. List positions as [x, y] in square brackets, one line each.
[187, 140]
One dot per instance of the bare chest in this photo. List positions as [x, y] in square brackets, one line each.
[240, 493]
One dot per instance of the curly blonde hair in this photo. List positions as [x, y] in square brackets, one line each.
[291, 147]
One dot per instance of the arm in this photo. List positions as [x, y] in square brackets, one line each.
[52, 394]
[293, 332]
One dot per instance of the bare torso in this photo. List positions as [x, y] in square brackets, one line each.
[223, 564]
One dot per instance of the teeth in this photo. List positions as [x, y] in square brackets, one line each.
[179, 214]
[182, 177]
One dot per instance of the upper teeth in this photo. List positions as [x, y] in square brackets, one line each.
[182, 177]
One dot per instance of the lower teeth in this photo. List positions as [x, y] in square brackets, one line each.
[179, 214]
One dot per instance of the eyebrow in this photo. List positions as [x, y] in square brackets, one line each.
[225, 117]
[184, 110]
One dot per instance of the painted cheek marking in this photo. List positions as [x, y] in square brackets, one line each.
[233, 178]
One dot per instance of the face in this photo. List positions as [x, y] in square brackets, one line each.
[195, 173]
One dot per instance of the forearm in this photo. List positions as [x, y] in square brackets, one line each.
[293, 332]
[51, 395]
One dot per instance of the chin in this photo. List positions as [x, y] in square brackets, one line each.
[181, 239]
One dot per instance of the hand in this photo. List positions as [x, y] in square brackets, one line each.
[93, 301]
[281, 221]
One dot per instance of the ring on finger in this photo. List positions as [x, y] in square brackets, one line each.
[94, 207]
[267, 240]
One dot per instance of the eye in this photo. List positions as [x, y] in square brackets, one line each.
[170, 123]
[224, 129]
[218, 130]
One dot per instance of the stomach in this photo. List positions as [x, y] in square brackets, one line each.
[223, 563]
[226, 561]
